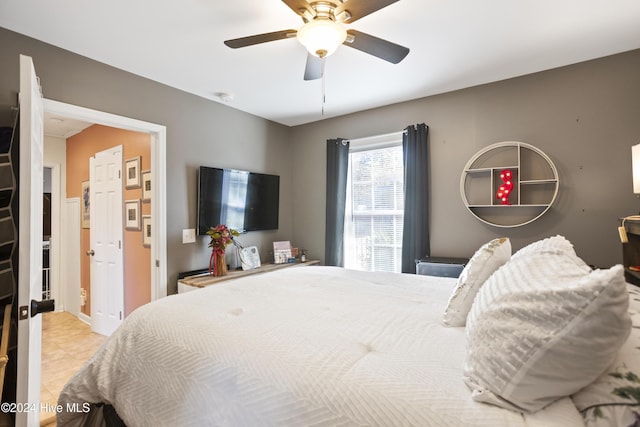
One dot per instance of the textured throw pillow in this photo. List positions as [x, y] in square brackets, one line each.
[482, 264]
[614, 398]
[553, 245]
[543, 327]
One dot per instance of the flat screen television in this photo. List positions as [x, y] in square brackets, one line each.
[244, 201]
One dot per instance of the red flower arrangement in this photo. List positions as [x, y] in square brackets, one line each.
[221, 237]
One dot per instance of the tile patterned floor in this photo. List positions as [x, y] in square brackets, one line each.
[67, 343]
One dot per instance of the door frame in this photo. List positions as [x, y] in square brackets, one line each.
[55, 248]
[158, 134]
[70, 267]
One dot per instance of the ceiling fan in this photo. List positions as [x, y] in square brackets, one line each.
[323, 31]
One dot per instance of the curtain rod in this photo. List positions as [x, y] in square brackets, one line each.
[374, 137]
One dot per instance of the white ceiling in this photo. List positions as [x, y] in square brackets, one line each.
[454, 44]
[62, 127]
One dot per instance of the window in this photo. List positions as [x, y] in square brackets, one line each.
[375, 205]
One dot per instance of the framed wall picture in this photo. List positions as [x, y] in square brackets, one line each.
[132, 214]
[86, 204]
[132, 172]
[146, 186]
[146, 231]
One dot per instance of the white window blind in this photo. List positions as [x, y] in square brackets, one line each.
[375, 209]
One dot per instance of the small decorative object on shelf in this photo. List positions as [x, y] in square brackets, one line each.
[281, 252]
[505, 189]
[509, 184]
[221, 237]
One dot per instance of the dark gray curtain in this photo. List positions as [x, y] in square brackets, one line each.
[415, 234]
[337, 168]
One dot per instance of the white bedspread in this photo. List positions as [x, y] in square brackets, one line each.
[296, 347]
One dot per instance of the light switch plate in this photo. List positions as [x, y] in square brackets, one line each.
[189, 235]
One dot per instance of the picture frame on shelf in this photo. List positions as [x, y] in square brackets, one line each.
[86, 205]
[146, 186]
[132, 214]
[146, 231]
[281, 252]
[132, 172]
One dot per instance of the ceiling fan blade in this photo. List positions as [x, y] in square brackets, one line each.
[314, 68]
[260, 38]
[375, 46]
[360, 8]
[300, 7]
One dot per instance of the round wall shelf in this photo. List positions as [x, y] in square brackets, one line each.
[517, 172]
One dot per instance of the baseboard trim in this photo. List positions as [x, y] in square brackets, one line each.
[86, 319]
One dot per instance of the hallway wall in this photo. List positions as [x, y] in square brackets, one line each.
[137, 259]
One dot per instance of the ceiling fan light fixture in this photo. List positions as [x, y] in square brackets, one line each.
[322, 37]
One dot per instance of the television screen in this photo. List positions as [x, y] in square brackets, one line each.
[244, 201]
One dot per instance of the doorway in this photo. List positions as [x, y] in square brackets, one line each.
[32, 107]
[158, 176]
[46, 234]
[66, 213]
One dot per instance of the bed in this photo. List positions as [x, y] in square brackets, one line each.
[321, 346]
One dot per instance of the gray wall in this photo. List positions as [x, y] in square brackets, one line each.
[199, 132]
[585, 117]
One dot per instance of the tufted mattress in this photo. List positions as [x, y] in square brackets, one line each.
[306, 346]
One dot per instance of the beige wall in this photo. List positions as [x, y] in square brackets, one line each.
[585, 117]
[137, 259]
[55, 152]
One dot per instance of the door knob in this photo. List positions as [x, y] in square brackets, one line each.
[43, 306]
[37, 307]
[91, 252]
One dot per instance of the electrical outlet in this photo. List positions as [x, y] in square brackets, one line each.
[189, 235]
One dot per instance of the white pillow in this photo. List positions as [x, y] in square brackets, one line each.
[482, 264]
[614, 395]
[556, 245]
[543, 327]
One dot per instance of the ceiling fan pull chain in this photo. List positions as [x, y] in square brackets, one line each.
[323, 88]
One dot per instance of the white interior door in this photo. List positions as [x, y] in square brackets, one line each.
[107, 272]
[30, 243]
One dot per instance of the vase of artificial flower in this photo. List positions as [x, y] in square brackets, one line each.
[219, 265]
[221, 237]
